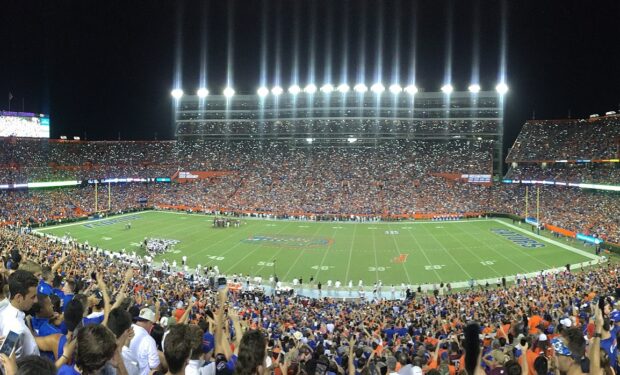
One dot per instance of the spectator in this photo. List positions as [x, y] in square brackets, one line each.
[143, 346]
[23, 292]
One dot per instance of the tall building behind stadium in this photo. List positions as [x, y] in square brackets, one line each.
[346, 120]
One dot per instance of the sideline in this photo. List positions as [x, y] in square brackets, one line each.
[556, 243]
[82, 222]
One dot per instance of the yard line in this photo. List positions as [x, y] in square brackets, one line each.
[502, 255]
[374, 246]
[420, 247]
[346, 276]
[477, 256]
[398, 253]
[316, 275]
[299, 256]
[447, 252]
[252, 252]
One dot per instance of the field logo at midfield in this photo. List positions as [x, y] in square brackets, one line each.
[402, 258]
[103, 223]
[517, 238]
[289, 241]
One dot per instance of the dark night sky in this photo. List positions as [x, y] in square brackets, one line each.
[104, 67]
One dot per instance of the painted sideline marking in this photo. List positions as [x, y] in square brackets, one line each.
[82, 222]
[556, 243]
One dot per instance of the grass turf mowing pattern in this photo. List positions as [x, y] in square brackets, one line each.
[402, 252]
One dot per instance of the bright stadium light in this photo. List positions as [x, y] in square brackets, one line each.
[262, 91]
[501, 88]
[411, 90]
[343, 88]
[474, 88]
[309, 140]
[310, 89]
[447, 89]
[277, 90]
[351, 140]
[327, 88]
[360, 88]
[294, 90]
[377, 88]
[395, 89]
[177, 93]
[202, 92]
[229, 92]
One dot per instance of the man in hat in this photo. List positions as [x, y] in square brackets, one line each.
[143, 345]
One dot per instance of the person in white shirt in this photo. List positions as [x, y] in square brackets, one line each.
[143, 346]
[119, 322]
[23, 292]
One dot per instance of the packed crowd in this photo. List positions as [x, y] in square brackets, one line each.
[392, 178]
[76, 310]
[567, 140]
[276, 127]
[600, 173]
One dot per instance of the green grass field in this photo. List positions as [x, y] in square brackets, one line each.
[402, 252]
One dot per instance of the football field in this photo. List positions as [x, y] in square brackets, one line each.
[396, 252]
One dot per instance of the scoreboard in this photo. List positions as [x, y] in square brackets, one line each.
[24, 124]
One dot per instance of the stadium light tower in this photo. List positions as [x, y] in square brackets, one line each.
[474, 88]
[411, 90]
[202, 93]
[501, 88]
[395, 89]
[277, 90]
[310, 88]
[327, 88]
[229, 92]
[295, 89]
[262, 91]
[447, 89]
[343, 88]
[360, 88]
[377, 88]
[177, 93]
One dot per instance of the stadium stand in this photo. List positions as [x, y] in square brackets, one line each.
[549, 323]
[545, 140]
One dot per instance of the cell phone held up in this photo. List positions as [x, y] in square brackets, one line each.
[9, 344]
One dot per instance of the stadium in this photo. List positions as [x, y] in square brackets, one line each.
[340, 226]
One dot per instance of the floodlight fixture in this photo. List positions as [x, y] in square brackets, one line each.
[501, 88]
[295, 89]
[277, 90]
[351, 140]
[411, 90]
[177, 93]
[309, 140]
[310, 88]
[202, 93]
[395, 89]
[360, 88]
[327, 88]
[262, 91]
[343, 88]
[377, 88]
[229, 92]
[474, 88]
[447, 89]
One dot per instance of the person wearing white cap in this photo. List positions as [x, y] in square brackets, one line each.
[143, 345]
